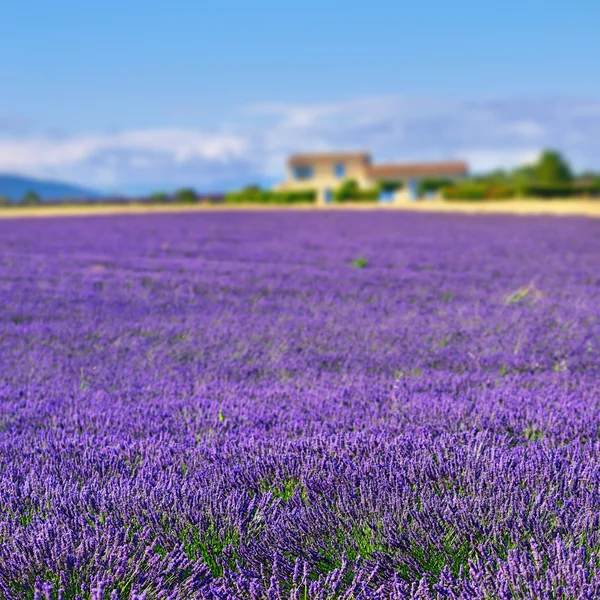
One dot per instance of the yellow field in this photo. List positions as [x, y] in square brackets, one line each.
[582, 207]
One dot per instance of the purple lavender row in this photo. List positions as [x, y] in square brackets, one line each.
[233, 406]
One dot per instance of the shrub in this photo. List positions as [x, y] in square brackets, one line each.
[30, 198]
[390, 186]
[465, 191]
[350, 191]
[368, 195]
[255, 195]
[159, 198]
[592, 189]
[500, 191]
[496, 191]
[294, 197]
[432, 185]
[186, 196]
[478, 191]
[4, 201]
[562, 190]
[549, 191]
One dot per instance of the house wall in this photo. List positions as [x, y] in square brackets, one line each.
[408, 192]
[325, 181]
[401, 195]
[324, 176]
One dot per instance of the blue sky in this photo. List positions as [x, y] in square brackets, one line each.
[130, 95]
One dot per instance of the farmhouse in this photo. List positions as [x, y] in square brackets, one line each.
[325, 172]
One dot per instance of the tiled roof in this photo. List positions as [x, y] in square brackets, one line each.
[432, 169]
[301, 159]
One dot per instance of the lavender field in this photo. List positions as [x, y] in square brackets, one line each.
[236, 406]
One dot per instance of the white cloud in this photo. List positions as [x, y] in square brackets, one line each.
[488, 133]
[527, 129]
[488, 159]
[105, 158]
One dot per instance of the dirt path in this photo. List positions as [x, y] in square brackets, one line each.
[589, 208]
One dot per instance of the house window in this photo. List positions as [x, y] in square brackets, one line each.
[386, 195]
[340, 170]
[303, 172]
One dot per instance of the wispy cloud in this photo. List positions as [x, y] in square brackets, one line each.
[488, 133]
[124, 157]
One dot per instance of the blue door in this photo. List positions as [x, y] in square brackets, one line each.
[328, 196]
[412, 188]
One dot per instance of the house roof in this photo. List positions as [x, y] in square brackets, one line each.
[302, 159]
[433, 169]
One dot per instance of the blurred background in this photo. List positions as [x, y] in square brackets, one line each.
[132, 98]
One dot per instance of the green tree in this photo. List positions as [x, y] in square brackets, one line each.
[524, 175]
[30, 198]
[432, 185]
[186, 196]
[552, 169]
[390, 186]
[348, 190]
[159, 198]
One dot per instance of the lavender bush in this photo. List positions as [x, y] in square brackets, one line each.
[229, 406]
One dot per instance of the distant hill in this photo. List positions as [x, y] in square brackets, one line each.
[14, 187]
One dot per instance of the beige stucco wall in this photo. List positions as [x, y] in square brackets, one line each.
[324, 177]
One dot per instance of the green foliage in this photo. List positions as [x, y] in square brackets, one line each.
[390, 186]
[351, 191]
[368, 195]
[255, 195]
[209, 543]
[4, 201]
[478, 191]
[30, 198]
[359, 263]
[533, 434]
[549, 176]
[285, 490]
[524, 175]
[527, 291]
[564, 190]
[465, 191]
[159, 198]
[432, 184]
[552, 169]
[501, 191]
[518, 296]
[186, 196]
